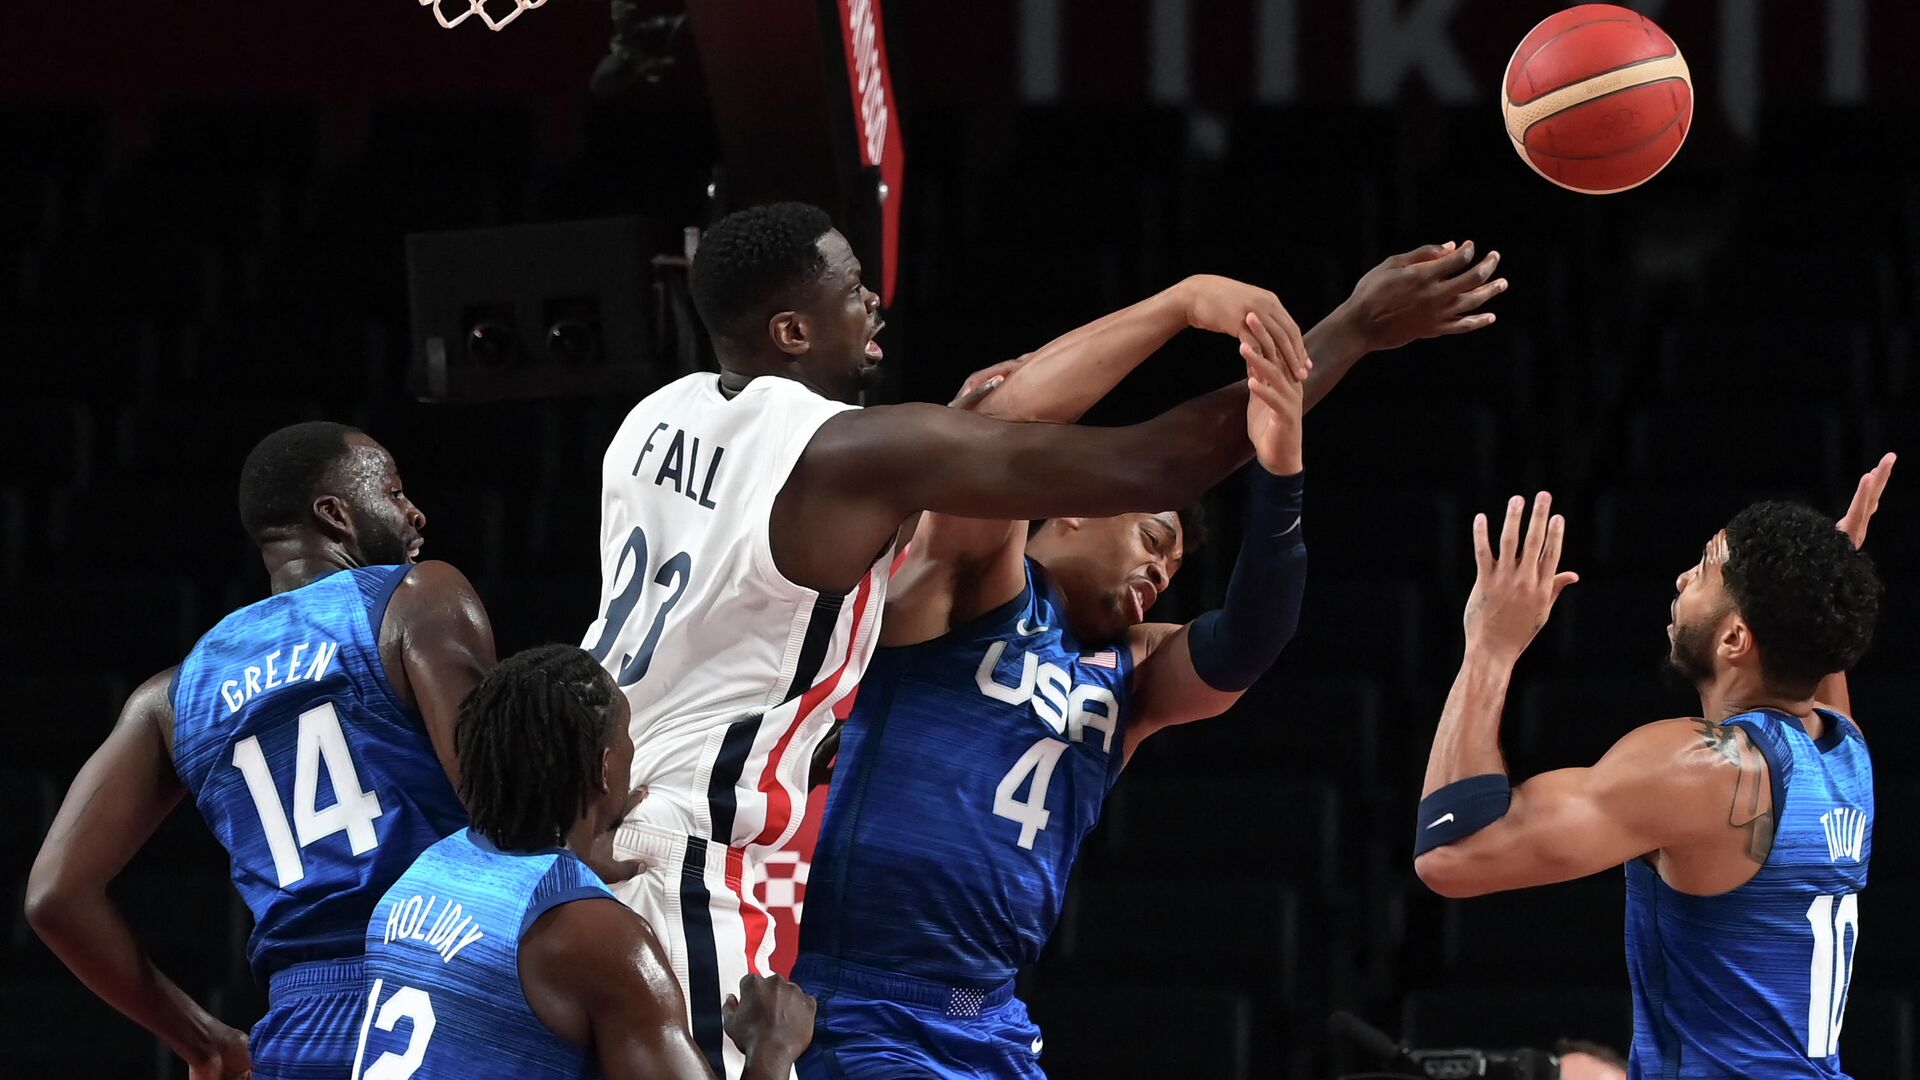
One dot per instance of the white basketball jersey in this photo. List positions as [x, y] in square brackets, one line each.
[733, 671]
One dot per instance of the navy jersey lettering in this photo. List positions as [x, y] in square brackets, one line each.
[680, 464]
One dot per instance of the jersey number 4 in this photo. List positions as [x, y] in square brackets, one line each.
[674, 572]
[320, 741]
[1032, 814]
[1836, 936]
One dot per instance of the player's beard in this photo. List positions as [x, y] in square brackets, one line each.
[382, 545]
[1692, 653]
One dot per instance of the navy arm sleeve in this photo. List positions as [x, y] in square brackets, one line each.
[1236, 644]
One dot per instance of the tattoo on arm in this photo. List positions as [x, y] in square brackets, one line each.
[1753, 810]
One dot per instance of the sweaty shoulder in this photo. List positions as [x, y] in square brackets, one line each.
[433, 604]
[581, 956]
[428, 585]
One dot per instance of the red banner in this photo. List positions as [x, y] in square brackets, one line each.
[876, 122]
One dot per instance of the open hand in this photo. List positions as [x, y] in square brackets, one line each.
[1423, 293]
[1866, 500]
[1514, 591]
[1222, 305]
[1275, 402]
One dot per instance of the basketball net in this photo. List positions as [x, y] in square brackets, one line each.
[478, 7]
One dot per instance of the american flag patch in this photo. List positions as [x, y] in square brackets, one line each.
[1109, 658]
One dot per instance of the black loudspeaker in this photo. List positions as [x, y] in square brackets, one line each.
[529, 311]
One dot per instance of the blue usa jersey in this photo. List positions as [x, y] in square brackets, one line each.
[443, 966]
[1754, 982]
[320, 783]
[972, 768]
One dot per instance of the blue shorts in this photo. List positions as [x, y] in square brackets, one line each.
[878, 1026]
[312, 1025]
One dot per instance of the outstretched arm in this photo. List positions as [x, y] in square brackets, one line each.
[1428, 292]
[1832, 691]
[116, 802]
[866, 470]
[1513, 593]
[1062, 379]
[963, 566]
[1201, 669]
[1431, 291]
[1466, 788]
[1664, 785]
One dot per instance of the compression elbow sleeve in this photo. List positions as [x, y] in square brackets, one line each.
[1235, 645]
[1461, 809]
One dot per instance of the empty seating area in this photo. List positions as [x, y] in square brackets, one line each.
[175, 287]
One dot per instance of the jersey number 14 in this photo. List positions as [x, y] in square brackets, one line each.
[320, 741]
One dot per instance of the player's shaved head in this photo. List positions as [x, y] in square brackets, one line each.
[329, 484]
[283, 472]
[780, 293]
[753, 261]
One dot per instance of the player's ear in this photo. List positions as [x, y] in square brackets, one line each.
[1069, 524]
[606, 770]
[789, 333]
[1736, 640]
[334, 519]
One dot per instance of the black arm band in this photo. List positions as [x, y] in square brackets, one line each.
[1235, 645]
[1461, 809]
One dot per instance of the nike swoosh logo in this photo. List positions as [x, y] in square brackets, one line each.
[1288, 529]
[1444, 818]
[1029, 631]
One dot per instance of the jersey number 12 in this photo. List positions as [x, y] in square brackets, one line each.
[353, 810]
[1836, 937]
[407, 1003]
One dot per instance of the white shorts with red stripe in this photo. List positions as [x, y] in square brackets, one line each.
[699, 897]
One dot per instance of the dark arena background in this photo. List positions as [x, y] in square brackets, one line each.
[223, 216]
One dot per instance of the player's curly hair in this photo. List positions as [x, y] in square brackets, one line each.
[1811, 598]
[751, 258]
[530, 739]
[283, 470]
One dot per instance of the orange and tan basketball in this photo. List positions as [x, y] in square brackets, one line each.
[1597, 99]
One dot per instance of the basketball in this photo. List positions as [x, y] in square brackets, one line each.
[1597, 99]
